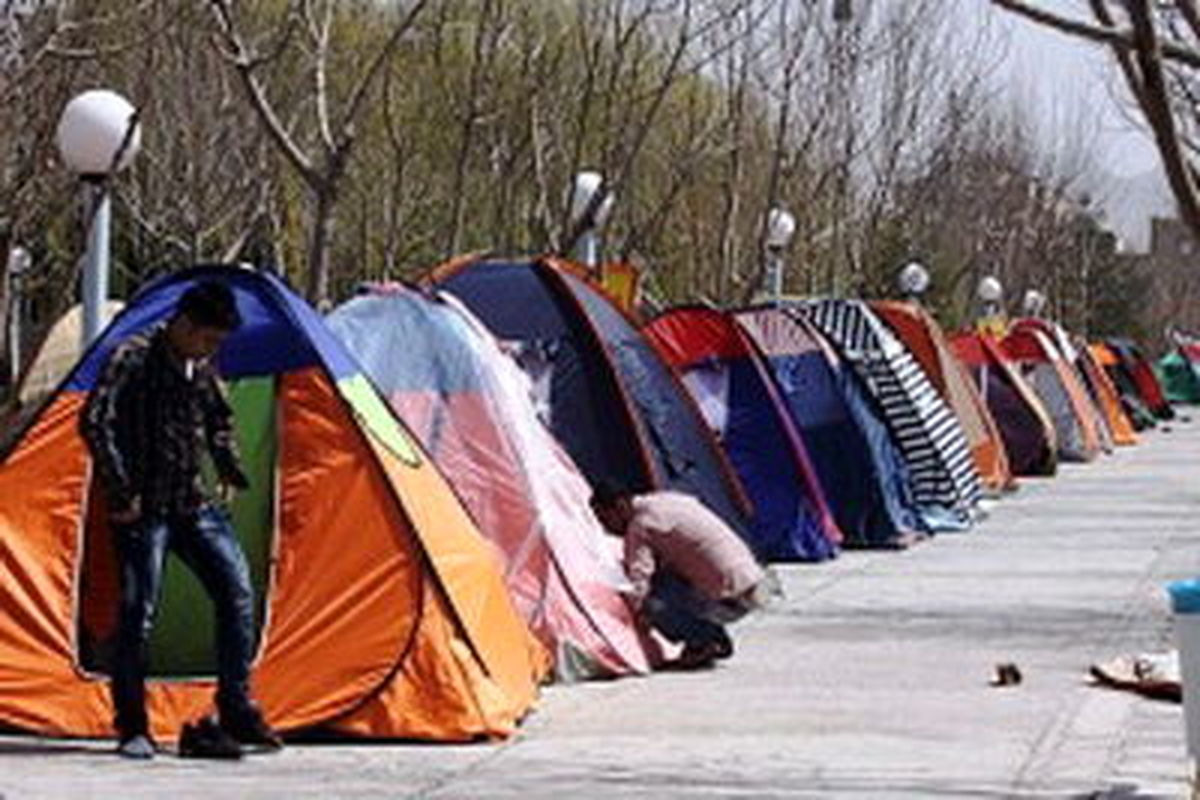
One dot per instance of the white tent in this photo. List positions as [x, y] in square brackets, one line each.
[59, 352]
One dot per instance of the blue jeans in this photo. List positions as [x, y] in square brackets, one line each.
[207, 544]
[680, 613]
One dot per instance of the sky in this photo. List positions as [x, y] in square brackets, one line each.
[1061, 73]
[1065, 80]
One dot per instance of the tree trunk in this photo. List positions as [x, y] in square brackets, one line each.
[324, 202]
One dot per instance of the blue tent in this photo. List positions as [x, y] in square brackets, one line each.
[606, 394]
[743, 407]
[866, 480]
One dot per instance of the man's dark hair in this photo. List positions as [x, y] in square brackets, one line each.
[605, 493]
[210, 304]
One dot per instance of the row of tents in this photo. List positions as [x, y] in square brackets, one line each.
[421, 462]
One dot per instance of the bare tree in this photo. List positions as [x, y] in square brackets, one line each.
[203, 180]
[322, 164]
[1156, 48]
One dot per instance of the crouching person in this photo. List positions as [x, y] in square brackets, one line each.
[690, 573]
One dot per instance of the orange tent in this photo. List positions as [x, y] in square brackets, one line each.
[925, 338]
[1024, 423]
[1104, 393]
[384, 613]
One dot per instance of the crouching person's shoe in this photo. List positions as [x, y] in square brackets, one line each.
[138, 747]
[248, 728]
[722, 646]
[695, 656]
[205, 739]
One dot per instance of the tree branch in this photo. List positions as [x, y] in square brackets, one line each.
[320, 37]
[1114, 37]
[359, 94]
[244, 62]
[1191, 14]
[1157, 107]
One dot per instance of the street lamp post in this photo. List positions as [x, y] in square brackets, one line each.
[591, 206]
[781, 227]
[18, 264]
[98, 135]
[991, 295]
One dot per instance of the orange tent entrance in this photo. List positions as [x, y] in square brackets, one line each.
[384, 611]
[1024, 423]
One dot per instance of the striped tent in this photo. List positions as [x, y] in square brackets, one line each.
[945, 482]
[926, 340]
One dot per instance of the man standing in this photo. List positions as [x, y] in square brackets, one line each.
[691, 573]
[156, 407]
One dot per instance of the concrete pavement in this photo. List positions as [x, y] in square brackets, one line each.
[871, 679]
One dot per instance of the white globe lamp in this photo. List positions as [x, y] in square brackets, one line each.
[92, 130]
[913, 279]
[781, 228]
[1034, 303]
[19, 261]
[990, 291]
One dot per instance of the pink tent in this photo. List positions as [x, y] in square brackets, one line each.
[472, 407]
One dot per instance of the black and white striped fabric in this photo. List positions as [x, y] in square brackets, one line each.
[925, 429]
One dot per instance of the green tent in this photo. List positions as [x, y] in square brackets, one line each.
[1179, 377]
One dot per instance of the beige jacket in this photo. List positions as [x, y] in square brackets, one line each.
[676, 532]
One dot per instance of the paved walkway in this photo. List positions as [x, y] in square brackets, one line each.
[870, 680]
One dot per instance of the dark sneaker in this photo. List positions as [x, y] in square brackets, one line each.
[722, 646]
[694, 657]
[248, 727]
[139, 747]
[205, 739]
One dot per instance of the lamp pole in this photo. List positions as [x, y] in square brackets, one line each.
[18, 263]
[842, 142]
[98, 135]
[775, 273]
[587, 252]
[781, 227]
[990, 293]
[591, 206]
[98, 209]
